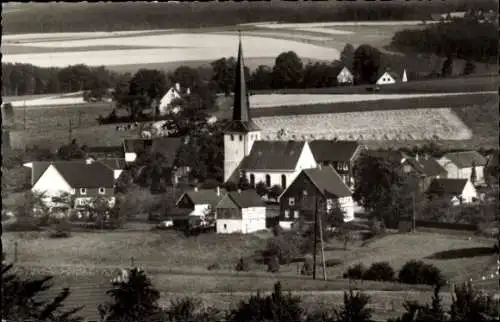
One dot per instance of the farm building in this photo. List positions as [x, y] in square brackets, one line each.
[342, 155]
[175, 92]
[200, 204]
[460, 191]
[313, 190]
[345, 76]
[460, 165]
[425, 168]
[240, 212]
[387, 78]
[82, 179]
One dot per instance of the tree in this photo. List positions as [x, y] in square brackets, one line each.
[261, 78]
[287, 71]
[133, 299]
[33, 204]
[275, 307]
[244, 184]
[189, 309]
[366, 64]
[224, 73]
[275, 192]
[354, 308]
[447, 68]
[470, 305]
[469, 68]
[99, 210]
[261, 188]
[347, 56]
[20, 300]
[71, 151]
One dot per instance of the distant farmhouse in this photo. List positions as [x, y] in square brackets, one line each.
[461, 165]
[392, 78]
[345, 77]
[174, 93]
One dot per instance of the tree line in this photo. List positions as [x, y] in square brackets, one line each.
[35, 18]
[133, 297]
[466, 39]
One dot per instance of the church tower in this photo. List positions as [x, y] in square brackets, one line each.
[241, 132]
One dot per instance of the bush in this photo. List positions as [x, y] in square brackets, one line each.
[62, 229]
[307, 267]
[381, 271]
[277, 230]
[332, 262]
[273, 266]
[213, 267]
[418, 272]
[286, 247]
[355, 272]
[242, 266]
[22, 225]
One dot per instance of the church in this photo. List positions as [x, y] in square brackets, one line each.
[271, 162]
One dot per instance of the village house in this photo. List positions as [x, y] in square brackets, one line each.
[460, 165]
[240, 212]
[115, 164]
[425, 169]
[83, 180]
[345, 77]
[389, 77]
[198, 205]
[317, 189]
[174, 93]
[341, 155]
[459, 191]
[272, 162]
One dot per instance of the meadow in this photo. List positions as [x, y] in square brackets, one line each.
[178, 265]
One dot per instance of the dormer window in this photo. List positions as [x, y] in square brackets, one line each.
[83, 191]
[102, 191]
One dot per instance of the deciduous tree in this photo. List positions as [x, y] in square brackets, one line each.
[366, 64]
[288, 70]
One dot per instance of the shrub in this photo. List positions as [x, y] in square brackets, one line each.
[242, 266]
[22, 225]
[277, 230]
[213, 267]
[286, 247]
[307, 267]
[355, 272]
[62, 230]
[381, 271]
[332, 262]
[418, 272]
[273, 266]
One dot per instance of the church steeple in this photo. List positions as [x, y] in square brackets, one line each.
[242, 121]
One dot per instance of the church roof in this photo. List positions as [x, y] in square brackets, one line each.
[241, 121]
[273, 155]
[331, 150]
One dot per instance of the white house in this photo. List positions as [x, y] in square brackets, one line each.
[387, 78]
[172, 94]
[345, 76]
[319, 188]
[460, 191]
[81, 179]
[404, 79]
[272, 162]
[459, 165]
[201, 203]
[240, 212]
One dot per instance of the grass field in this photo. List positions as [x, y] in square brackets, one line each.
[177, 265]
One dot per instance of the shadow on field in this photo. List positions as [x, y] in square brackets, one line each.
[463, 253]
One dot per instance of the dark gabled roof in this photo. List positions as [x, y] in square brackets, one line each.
[246, 199]
[205, 196]
[465, 159]
[273, 155]
[78, 174]
[396, 156]
[330, 150]
[431, 167]
[448, 186]
[114, 163]
[493, 159]
[326, 179]
[136, 145]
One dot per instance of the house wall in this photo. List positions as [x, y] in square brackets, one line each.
[52, 184]
[469, 193]
[455, 173]
[345, 76]
[236, 147]
[130, 156]
[386, 79]
[117, 173]
[254, 219]
[228, 226]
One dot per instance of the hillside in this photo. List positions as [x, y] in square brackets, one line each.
[79, 17]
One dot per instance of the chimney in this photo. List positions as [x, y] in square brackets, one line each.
[218, 191]
[178, 87]
[196, 189]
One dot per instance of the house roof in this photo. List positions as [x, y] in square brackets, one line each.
[397, 156]
[246, 199]
[465, 159]
[273, 155]
[448, 186]
[78, 174]
[135, 145]
[326, 179]
[431, 167]
[330, 150]
[113, 163]
[204, 196]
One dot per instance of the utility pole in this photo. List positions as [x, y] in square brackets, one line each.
[69, 132]
[413, 212]
[322, 245]
[24, 112]
[315, 234]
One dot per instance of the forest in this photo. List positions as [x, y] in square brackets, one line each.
[79, 17]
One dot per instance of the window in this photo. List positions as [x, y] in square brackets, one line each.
[283, 181]
[252, 180]
[329, 203]
[287, 214]
[296, 214]
[241, 137]
[291, 201]
[232, 137]
[268, 180]
[102, 191]
[83, 191]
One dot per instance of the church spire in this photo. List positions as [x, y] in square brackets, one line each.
[241, 107]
